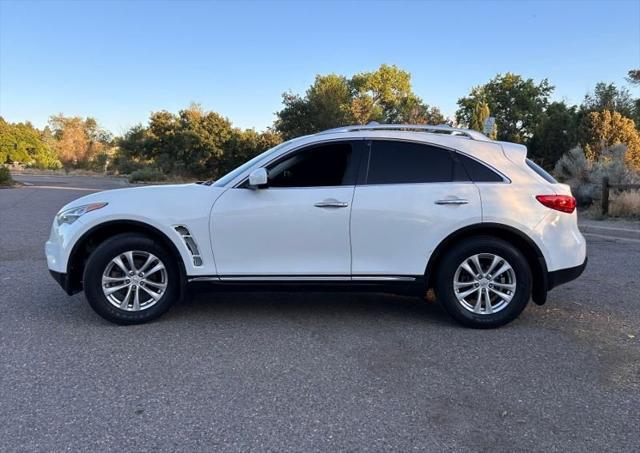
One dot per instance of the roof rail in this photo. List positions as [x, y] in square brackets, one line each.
[439, 129]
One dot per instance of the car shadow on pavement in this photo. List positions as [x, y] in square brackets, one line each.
[311, 305]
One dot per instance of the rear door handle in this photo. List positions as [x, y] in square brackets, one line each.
[331, 203]
[452, 201]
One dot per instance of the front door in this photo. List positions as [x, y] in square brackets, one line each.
[297, 226]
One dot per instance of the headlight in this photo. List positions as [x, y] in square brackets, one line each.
[72, 214]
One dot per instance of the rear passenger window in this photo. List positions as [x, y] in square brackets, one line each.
[405, 163]
[477, 171]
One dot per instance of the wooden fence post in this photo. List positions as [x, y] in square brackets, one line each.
[605, 196]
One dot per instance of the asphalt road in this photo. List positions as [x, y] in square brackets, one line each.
[310, 372]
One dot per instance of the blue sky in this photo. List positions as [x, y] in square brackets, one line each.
[119, 61]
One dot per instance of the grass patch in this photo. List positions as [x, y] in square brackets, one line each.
[625, 204]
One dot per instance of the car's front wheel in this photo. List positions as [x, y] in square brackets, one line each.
[484, 282]
[130, 279]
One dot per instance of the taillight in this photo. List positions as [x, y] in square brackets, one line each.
[564, 203]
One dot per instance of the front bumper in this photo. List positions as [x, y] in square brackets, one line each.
[60, 243]
[57, 249]
[63, 281]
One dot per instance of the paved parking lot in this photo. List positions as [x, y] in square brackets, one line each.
[310, 372]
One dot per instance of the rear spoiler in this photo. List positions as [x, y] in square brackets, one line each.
[514, 152]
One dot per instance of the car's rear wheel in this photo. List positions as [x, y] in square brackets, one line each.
[130, 279]
[484, 282]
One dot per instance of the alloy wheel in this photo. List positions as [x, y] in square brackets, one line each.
[484, 283]
[134, 280]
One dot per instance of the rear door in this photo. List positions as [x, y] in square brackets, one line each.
[410, 197]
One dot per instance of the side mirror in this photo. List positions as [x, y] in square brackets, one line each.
[258, 178]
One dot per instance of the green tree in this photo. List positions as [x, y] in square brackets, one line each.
[606, 129]
[384, 95]
[633, 76]
[479, 116]
[201, 138]
[609, 97]
[194, 142]
[13, 148]
[411, 110]
[555, 134]
[322, 107]
[22, 143]
[133, 149]
[517, 105]
[244, 145]
[189, 143]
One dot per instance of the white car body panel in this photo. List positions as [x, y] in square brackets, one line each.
[396, 227]
[161, 207]
[279, 231]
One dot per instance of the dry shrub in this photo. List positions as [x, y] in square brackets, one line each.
[585, 176]
[625, 204]
[5, 177]
[147, 174]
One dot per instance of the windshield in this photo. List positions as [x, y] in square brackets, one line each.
[242, 168]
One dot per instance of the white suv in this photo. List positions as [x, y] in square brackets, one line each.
[394, 208]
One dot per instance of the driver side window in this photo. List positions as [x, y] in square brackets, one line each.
[325, 165]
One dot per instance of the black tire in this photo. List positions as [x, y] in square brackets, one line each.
[100, 259]
[454, 257]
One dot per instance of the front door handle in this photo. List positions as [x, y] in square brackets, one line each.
[452, 201]
[331, 203]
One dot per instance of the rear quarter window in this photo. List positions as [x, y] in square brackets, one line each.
[477, 171]
[541, 172]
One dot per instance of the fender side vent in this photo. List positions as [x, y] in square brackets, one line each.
[190, 242]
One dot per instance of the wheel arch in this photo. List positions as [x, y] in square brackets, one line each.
[93, 237]
[517, 238]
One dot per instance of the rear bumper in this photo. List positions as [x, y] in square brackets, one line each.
[561, 276]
